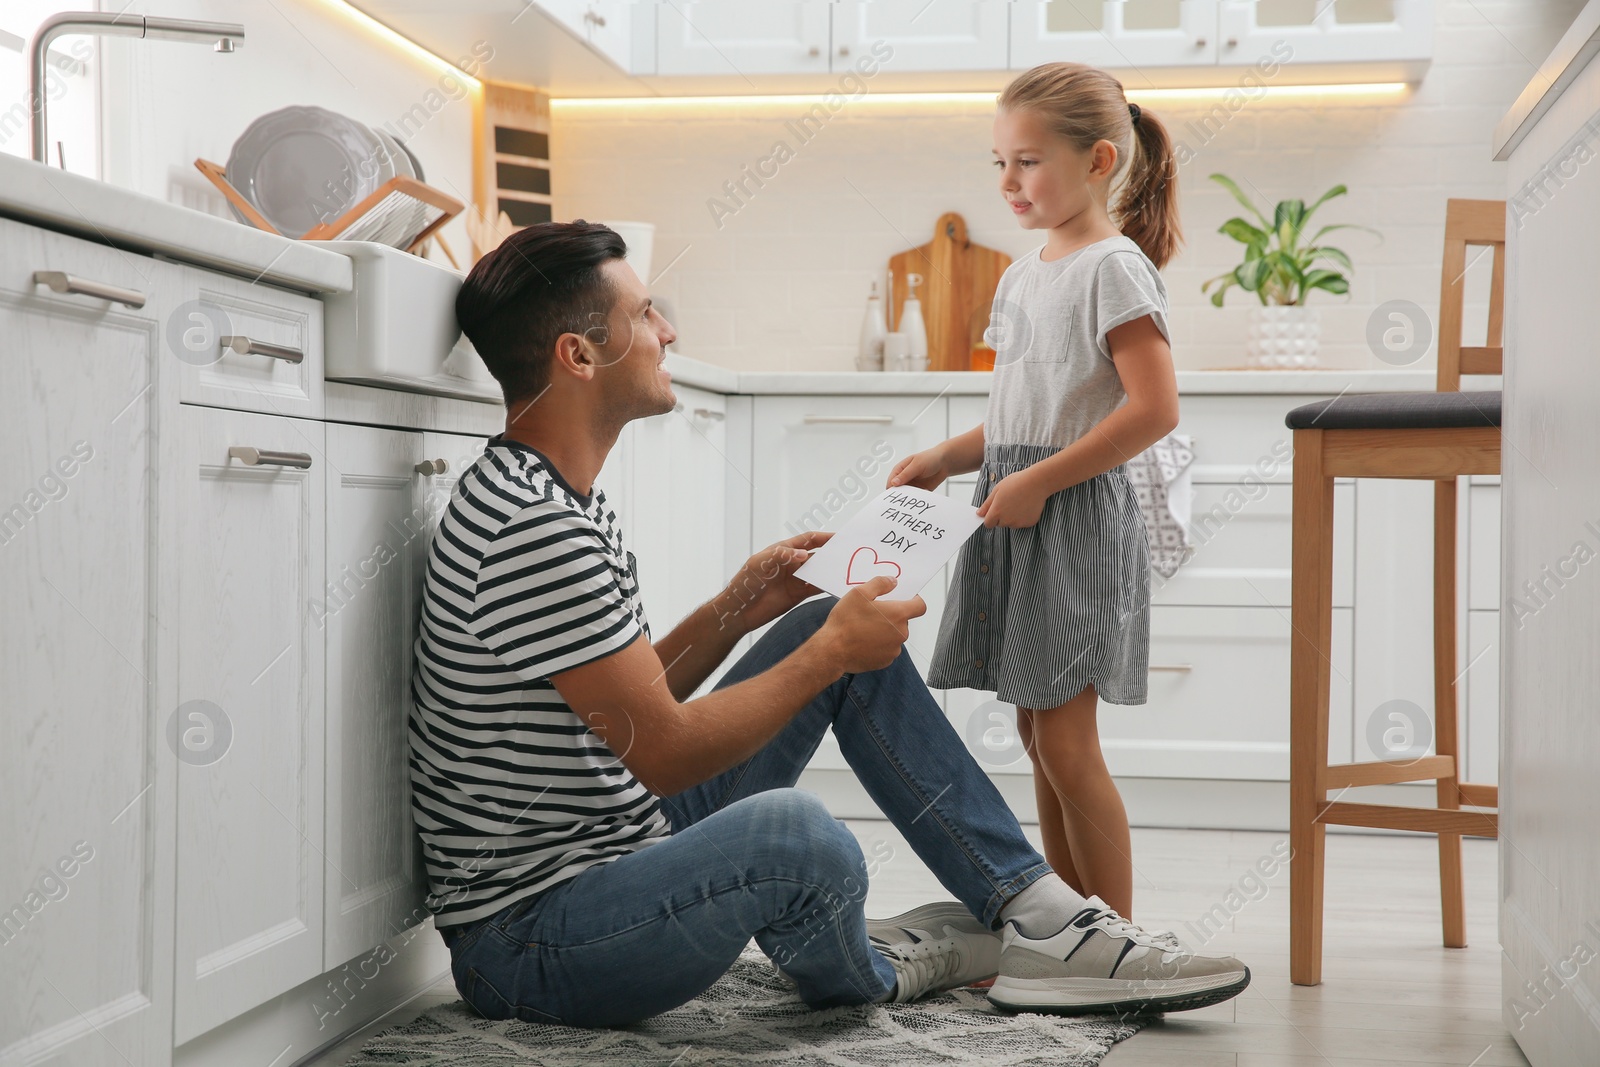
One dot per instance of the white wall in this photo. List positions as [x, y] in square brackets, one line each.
[782, 284]
[70, 95]
[165, 103]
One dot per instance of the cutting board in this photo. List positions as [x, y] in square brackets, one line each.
[957, 289]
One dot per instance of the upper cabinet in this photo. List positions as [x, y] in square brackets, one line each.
[1315, 31]
[736, 37]
[1137, 34]
[919, 35]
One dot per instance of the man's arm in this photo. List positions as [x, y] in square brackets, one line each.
[670, 745]
[696, 647]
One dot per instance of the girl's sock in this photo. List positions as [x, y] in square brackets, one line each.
[1044, 907]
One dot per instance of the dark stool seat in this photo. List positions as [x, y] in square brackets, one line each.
[1399, 411]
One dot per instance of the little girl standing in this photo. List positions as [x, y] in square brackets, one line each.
[1049, 605]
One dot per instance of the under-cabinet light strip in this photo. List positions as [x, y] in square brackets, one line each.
[1199, 94]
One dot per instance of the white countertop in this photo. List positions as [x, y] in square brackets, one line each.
[60, 200]
[693, 372]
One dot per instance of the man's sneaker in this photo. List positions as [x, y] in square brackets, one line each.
[1102, 963]
[934, 948]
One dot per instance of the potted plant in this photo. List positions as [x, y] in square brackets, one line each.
[1280, 268]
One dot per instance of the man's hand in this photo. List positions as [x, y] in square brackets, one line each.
[1016, 500]
[865, 633]
[765, 587]
[925, 470]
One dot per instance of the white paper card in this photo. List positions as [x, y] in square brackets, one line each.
[906, 533]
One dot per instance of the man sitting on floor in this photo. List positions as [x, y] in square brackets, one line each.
[600, 847]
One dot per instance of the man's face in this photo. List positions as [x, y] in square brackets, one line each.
[631, 348]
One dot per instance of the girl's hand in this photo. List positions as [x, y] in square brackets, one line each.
[924, 470]
[1016, 501]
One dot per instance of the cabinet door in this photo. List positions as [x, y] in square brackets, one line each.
[251, 731]
[1296, 31]
[379, 522]
[1114, 34]
[679, 487]
[604, 25]
[739, 37]
[86, 783]
[965, 35]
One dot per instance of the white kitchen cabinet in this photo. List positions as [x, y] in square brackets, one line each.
[963, 35]
[380, 518]
[1374, 31]
[1114, 34]
[250, 712]
[680, 473]
[736, 37]
[86, 819]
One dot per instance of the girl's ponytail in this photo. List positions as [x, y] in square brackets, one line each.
[1085, 104]
[1147, 209]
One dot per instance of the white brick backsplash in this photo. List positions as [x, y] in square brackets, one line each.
[782, 284]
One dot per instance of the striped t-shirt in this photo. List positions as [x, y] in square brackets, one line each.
[511, 790]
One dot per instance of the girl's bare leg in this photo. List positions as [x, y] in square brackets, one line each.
[1052, 823]
[1066, 745]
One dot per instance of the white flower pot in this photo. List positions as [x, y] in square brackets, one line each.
[1282, 336]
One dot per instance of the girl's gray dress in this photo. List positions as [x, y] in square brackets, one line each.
[1035, 614]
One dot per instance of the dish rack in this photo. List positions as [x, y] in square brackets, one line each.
[401, 213]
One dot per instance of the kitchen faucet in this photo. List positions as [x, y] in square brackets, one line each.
[106, 24]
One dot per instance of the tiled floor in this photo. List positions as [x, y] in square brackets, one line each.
[1391, 995]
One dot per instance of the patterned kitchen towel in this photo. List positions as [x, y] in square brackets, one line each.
[1161, 475]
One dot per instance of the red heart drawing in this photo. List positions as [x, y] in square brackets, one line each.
[850, 568]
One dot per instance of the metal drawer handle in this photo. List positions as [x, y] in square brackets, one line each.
[257, 457]
[432, 466]
[881, 419]
[61, 282]
[249, 346]
[707, 413]
[1184, 667]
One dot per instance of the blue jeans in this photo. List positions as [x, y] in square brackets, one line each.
[751, 856]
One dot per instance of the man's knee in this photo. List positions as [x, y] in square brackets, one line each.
[808, 618]
[799, 824]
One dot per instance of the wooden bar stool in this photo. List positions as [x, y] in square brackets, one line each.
[1437, 436]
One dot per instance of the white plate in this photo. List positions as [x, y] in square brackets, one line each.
[302, 166]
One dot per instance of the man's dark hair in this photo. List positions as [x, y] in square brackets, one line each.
[541, 282]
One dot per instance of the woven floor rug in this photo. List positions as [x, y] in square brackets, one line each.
[752, 1015]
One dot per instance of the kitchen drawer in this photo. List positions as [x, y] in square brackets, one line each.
[1235, 436]
[966, 412]
[1218, 702]
[273, 363]
[1219, 696]
[1242, 536]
